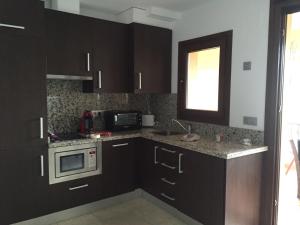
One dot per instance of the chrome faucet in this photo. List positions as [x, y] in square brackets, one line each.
[188, 129]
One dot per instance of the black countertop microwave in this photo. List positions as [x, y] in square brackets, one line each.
[117, 120]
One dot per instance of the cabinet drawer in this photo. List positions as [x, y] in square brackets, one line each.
[167, 195]
[168, 156]
[74, 193]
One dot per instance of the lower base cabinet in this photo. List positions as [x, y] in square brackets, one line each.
[23, 188]
[118, 177]
[211, 190]
[119, 167]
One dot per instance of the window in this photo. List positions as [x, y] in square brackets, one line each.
[204, 78]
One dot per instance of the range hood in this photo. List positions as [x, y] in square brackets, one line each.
[68, 77]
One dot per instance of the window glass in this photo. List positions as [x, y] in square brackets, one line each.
[203, 80]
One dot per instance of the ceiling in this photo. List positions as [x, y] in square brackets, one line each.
[118, 6]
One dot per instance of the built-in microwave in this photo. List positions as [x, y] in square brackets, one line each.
[74, 162]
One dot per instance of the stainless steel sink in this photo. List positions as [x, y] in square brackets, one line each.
[166, 132]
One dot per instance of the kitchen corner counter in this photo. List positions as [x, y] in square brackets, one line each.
[208, 146]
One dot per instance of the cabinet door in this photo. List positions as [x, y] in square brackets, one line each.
[24, 188]
[22, 17]
[151, 59]
[149, 167]
[69, 44]
[22, 92]
[201, 187]
[119, 174]
[110, 59]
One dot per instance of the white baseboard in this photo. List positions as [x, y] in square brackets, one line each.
[94, 206]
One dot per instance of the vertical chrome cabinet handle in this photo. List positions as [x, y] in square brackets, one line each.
[12, 26]
[99, 79]
[155, 155]
[140, 81]
[41, 128]
[180, 171]
[42, 165]
[88, 62]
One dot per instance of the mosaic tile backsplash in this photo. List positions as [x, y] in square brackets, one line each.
[164, 107]
[66, 102]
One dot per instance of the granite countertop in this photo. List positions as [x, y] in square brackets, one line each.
[208, 146]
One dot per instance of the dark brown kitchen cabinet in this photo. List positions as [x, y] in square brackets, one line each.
[119, 167]
[22, 92]
[158, 167]
[220, 191]
[151, 58]
[149, 166]
[203, 198]
[21, 17]
[24, 188]
[211, 190]
[74, 193]
[110, 58]
[68, 43]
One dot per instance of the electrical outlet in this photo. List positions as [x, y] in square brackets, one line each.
[251, 121]
[247, 66]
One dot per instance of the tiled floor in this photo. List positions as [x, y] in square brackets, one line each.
[134, 212]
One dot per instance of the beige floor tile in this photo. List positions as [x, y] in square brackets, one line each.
[83, 220]
[135, 212]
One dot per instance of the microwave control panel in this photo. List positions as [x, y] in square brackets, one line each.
[92, 158]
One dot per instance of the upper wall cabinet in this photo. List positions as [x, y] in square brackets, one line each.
[22, 17]
[69, 44]
[110, 58]
[151, 58]
[120, 58]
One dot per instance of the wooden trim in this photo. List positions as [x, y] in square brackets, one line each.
[270, 172]
[224, 40]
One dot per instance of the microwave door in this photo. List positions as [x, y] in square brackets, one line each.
[126, 119]
[69, 163]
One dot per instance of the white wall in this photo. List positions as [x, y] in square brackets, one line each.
[249, 22]
[88, 11]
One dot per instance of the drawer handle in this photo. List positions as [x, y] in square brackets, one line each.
[78, 187]
[120, 145]
[155, 155]
[167, 197]
[167, 150]
[168, 166]
[12, 26]
[168, 182]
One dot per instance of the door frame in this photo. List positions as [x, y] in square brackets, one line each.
[274, 90]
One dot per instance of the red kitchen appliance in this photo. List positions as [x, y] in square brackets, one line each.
[86, 122]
